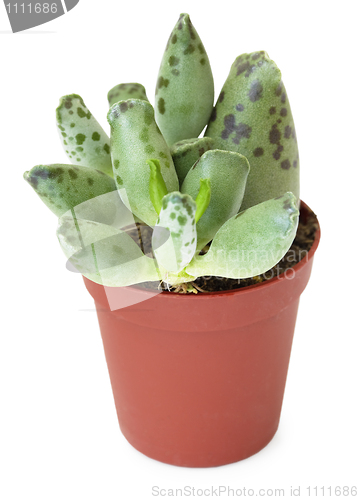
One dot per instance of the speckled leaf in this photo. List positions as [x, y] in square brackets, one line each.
[136, 138]
[185, 90]
[253, 117]
[185, 154]
[228, 173]
[251, 242]
[103, 253]
[62, 187]
[83, 138]
[177, 215]
[126, 91]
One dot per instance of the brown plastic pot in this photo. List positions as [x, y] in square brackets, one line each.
[198, 380]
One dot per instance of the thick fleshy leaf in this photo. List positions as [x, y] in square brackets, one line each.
[251, 242]
[185, 90]
[178, 217]
[83, 138]
[253, 117]
[203, 198]
[136, 138]
[106, 209]
[126, 91]
[62, 187]
[227, 172]
[185, 154]
[103, 253]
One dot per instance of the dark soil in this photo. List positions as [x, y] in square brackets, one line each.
[299, 250]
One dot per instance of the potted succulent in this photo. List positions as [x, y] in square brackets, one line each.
[154, 214]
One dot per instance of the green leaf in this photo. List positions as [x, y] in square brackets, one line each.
[62, 187]
[126, 91]
[106, 209]
[158, 187]
[104, 254]
[185, 90]
[84, 140]
[185, 154]
[135, 138]
[251, 242]
[203, 198]
[253, 117]
[227, 173]
[178, 217]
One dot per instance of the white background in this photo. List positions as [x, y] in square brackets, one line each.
[58, 432]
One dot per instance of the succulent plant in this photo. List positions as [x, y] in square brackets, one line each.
[225, 204]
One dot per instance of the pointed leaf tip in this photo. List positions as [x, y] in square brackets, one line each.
[203, 198]
[157, 186]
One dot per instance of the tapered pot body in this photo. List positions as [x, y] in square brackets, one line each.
[198, 380]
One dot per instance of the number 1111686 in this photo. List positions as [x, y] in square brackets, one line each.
[38, 8]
